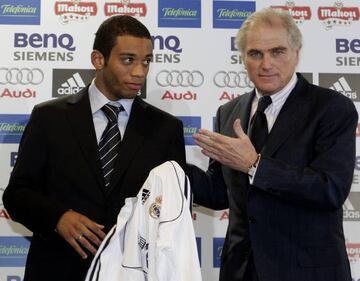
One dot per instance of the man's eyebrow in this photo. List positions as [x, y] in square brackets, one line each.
[134, 55]
[279, 48]
[254, 50]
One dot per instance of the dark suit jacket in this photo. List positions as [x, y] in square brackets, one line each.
[291, 217]
[58, 169]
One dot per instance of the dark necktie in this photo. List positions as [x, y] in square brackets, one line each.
[258, 125]
[110, 140]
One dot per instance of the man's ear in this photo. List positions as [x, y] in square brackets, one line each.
[97, 59]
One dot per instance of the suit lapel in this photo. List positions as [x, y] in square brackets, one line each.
[240, 110]
[286, 122]
[133, 138]
[81, 121]
[245, 113]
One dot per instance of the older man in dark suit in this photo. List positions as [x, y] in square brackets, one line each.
[285, 183]
[82, 155]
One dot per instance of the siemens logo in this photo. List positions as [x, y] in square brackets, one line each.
[48, 40]
[169, 43]
[37, 40]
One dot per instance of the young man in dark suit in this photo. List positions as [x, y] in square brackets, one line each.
[285, 183]
[61, 188]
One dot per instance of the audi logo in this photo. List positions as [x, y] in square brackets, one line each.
[23, 76]
[232, 79]
[176, 78]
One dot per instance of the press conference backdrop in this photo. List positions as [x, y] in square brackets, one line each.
[45, 54]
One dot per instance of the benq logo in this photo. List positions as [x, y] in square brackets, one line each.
[344, 45]
[37, 40]
[62, 47]
[171, 43]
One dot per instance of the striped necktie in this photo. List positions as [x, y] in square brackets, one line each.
[110, 140]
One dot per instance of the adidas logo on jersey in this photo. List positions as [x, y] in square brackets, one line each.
[145, 195]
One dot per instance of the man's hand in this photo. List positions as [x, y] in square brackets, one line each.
[237, 153]
[79, 231]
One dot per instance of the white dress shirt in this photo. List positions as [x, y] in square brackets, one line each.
[271, 112]
[97, 101]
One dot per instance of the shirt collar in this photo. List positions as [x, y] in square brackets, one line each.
[98, 100]
[279, 98]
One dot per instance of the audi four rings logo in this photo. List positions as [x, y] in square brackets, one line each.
[176, 78]
[21, 76]
[232, 79]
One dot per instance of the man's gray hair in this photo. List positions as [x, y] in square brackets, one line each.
[269, 17]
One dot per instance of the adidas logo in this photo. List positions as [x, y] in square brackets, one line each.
[343, 87]
[351, 212]
[72, 85]
[145, 195]
[142, 242]
[348, 205]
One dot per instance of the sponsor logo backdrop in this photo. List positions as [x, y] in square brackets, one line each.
[46, 48]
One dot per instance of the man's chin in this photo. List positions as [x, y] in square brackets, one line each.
[131, 95]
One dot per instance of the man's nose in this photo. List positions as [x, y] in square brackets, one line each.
[266, 62]
[139, 70]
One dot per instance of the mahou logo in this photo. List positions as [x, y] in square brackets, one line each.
[124, 7]
[298, 13]
[338, 15]
[75, 10]
[353, 251]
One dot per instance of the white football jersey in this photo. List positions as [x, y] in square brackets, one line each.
[154, 238]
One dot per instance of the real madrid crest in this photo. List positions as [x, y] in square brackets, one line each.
[155, 208]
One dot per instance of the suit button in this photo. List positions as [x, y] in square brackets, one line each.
[252, 219]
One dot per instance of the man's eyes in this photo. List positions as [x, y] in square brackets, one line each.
[129, 60]
[255, 54]
[277, 52]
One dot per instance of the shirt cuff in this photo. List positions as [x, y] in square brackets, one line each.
[252, 170]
